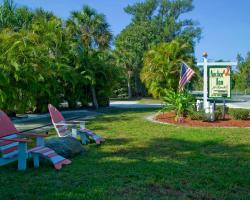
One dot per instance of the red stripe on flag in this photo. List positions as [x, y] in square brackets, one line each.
[187, 77]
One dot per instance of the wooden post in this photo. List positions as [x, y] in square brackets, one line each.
[22, 156]
[35, 160]
[39, 141]
[84, 138]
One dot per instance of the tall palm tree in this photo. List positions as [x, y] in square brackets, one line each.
[92, 33]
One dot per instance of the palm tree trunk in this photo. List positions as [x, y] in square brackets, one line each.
[94, 99]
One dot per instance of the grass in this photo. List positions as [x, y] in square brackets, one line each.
[143, 160]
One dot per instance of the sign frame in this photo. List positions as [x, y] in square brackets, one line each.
[230, 82]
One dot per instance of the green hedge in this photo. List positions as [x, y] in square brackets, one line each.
[201, 115]
[219, 112]
[239, 114]
[196, 115]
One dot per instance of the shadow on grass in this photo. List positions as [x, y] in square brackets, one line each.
[163, 168]
[180, 169]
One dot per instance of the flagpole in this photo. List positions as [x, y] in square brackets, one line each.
[205, 81]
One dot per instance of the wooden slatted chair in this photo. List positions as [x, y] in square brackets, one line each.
[13, 148]
[62, 127]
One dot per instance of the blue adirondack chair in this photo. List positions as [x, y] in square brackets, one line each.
[13, 148]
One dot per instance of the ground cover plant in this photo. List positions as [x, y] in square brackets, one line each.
[143, 160]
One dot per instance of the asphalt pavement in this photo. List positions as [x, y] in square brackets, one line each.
[42, 122]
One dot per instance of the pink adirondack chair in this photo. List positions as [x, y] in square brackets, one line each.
[62, 127]
[13, 148]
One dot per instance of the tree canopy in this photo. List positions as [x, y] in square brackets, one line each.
[242, 75]
[45, 59]
[154, 22]
[162, 66]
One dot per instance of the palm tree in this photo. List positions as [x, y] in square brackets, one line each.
[124, 59]
[161, 68]
[91, 31]
[14, 17]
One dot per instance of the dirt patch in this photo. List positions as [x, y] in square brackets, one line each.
[228, 122]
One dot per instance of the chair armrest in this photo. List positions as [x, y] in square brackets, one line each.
[34, 134]
[67, 123]
[16, 140]
[76, 121]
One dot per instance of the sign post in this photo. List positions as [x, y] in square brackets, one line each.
[205, 104]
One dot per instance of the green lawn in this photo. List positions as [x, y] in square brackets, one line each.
[143, 160]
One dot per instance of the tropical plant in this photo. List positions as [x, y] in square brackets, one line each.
[179, 102]
[92, 35]
[242, 75]
[153, 22]
[131, 44]
[162, 62]
[13, 17]
[43, 61]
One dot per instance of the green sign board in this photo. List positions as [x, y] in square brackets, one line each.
[219, 82]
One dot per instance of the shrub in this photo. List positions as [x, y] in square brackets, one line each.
[196, 115]
[220, 109]
[201, 115]
[219, 112]
[179, 102]
[239, 114]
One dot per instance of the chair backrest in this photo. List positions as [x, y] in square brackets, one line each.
[56, 117]
[7, 131]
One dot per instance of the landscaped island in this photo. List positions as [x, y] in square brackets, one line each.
[227, 122]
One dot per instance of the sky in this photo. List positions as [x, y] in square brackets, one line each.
[225, 23]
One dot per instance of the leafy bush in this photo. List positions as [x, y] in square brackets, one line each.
[196, 115]
[220, 109]
[201, 115]
[219, 112]
[179, 102]
[161, 65]
[44, 59]
[239, 114]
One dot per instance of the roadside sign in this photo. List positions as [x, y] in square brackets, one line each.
[219, 81]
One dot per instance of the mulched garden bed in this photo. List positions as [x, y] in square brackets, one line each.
[228, 122]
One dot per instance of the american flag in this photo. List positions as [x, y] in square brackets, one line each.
[186, 75]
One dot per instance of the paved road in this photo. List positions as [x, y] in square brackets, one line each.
[245, 105]
[42, 123]
[132, 104]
